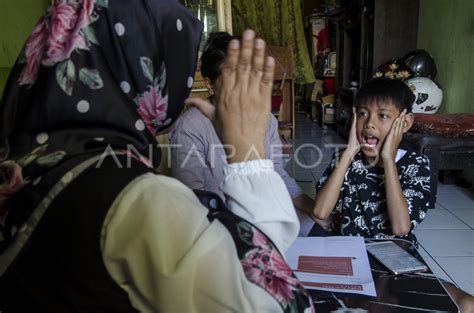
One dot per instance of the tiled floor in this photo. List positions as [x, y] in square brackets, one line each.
[446, 235]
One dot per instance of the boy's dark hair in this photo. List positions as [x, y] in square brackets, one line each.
[383, 90]
[214, 54]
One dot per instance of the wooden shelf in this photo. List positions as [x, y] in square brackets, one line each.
[284, 86]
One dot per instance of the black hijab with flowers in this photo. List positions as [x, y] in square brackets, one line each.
[93, 74]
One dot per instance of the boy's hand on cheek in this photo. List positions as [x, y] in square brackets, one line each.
[353, 145]
[393, 139]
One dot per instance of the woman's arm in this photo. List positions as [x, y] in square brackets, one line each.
[241, 119]
[158, 243]
[159, 246]
[257, 193]
[396, 204]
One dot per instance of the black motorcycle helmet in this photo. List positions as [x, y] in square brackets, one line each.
[421, 63]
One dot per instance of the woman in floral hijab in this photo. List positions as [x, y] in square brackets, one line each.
[85, 224]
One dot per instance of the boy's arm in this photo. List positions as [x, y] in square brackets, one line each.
[327, 197]
[397, 206]
[416, 188]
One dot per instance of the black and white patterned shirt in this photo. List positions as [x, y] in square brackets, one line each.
[361, 207]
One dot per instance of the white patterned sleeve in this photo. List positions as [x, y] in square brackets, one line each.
[258, 194]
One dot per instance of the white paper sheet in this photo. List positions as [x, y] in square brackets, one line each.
[337, 264]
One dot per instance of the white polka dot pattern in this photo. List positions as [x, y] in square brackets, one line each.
[140, 125]
[125, 87]
[119, 29]
[83, 106]
[42, 138]
[179, 25]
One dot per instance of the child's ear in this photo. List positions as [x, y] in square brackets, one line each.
[408, 122]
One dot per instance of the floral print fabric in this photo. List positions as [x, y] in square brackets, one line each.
[64, 29]
[153, 104]
[94, 76]
[261, 261]
[265, 266]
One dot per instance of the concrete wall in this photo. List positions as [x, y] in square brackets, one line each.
[446, 30]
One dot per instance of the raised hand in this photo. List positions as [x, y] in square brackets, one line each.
[241, 114]
[394, 137]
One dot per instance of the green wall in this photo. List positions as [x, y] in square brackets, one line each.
[446, 30]
[17, 19]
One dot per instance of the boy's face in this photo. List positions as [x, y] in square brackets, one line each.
[374, 121]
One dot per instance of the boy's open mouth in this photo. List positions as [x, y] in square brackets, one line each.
[370, 141]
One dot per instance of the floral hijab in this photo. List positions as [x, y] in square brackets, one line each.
[93, 74]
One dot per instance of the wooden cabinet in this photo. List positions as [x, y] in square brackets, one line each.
[370, 33]
[284, 88]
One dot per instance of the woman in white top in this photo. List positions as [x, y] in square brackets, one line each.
[85, 224]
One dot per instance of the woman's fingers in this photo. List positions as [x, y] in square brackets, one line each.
[244, 103]
[245, 59]
[202, 105]
[267, 78]
[229, 68]
[257, 64]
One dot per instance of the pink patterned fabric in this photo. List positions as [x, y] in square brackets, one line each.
[54, 38]
[152, 107]
[279, 288]
[66, 24]
[265, 266]
[33, 52]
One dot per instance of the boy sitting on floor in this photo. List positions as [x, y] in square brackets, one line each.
[375, 189]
